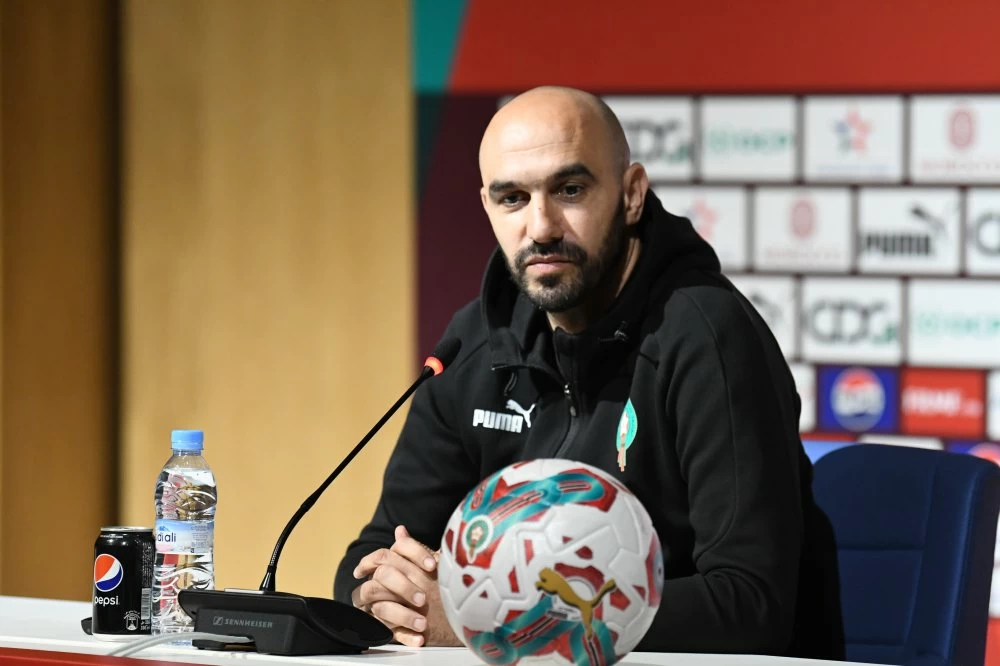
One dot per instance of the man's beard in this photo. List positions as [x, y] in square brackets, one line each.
[571, 287]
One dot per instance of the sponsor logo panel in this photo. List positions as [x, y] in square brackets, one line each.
[748, 138]
[847, 320]
[858, 399]
[802, 230]
[659, 133]
[718, 215]
[955, 139]
[954, 323]
[982, 231]
[946, 403]
[993, 405]
[909, 230]
[805, 384]
[854, 139]
[774, 298]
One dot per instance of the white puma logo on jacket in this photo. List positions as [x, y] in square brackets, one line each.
[526, 413]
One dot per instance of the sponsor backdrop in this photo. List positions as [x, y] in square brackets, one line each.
[853, 196]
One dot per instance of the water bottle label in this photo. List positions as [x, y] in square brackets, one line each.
[184, 536]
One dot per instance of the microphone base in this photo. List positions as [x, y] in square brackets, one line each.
[280, 623]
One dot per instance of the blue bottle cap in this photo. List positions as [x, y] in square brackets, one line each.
[187, 440]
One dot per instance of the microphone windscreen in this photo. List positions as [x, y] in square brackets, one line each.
[446, 351]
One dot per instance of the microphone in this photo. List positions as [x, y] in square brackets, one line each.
[281, 623]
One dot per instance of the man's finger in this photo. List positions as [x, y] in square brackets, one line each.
[370, 562]
[385, 557]
[398, 583]
[408, 637]
[398, 616]
[413, 550]
[372, 591]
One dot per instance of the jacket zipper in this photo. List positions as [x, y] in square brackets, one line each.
[574, 421]
[574, 411]
[568, 392]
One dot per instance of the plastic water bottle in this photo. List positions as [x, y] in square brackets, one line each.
[185, 500]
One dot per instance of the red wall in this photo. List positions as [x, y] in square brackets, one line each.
[718, 45]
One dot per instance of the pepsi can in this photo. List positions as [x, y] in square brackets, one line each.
[123, 582]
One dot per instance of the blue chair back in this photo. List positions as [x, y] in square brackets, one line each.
[915, 532]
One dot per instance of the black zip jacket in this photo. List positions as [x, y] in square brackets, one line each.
[716, 460]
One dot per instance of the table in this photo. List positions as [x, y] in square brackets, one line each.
[45, 624]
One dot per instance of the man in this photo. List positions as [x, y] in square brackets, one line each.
[598, 301]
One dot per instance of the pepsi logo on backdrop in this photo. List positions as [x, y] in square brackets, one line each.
[858, 399]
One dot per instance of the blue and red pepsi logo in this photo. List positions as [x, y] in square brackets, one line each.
[108, 572]
[857, 399]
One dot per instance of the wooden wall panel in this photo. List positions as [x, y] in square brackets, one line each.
[268, 269]
[2, 521]
[57, 293]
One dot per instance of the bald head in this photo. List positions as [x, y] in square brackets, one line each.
[555, 114]
[562, 199]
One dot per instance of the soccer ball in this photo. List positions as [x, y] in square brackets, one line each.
[550, 561]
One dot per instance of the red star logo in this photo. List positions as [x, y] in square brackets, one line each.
[704, 219]
[860, 129]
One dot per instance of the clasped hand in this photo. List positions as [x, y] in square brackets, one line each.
[402, 592]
